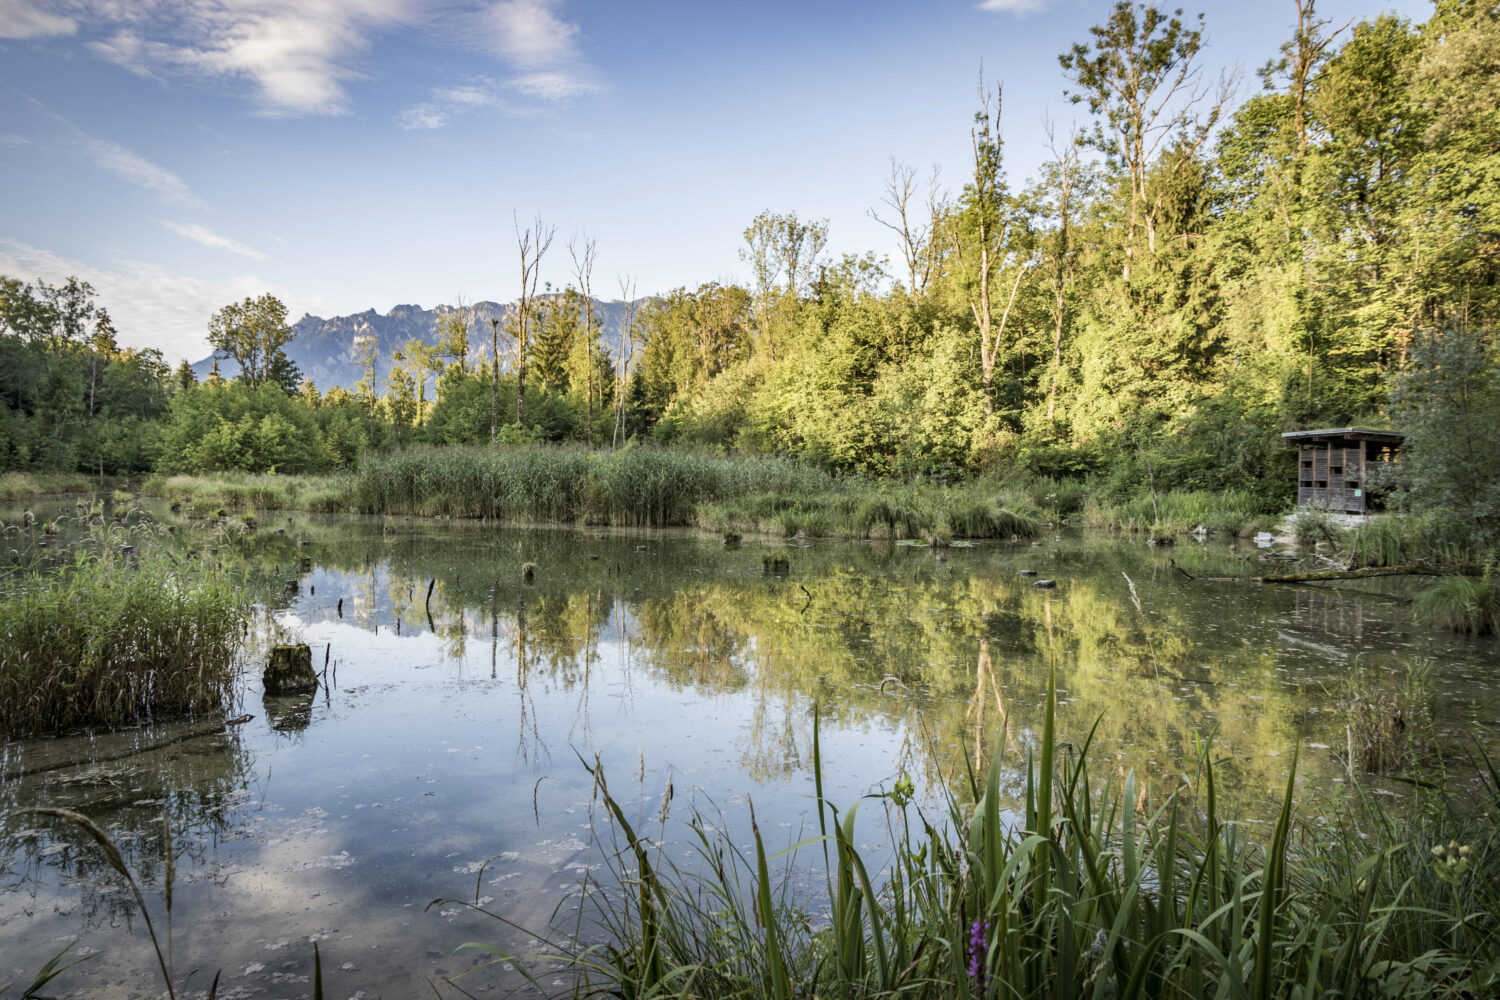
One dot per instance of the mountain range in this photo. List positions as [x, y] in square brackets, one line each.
[324, 349]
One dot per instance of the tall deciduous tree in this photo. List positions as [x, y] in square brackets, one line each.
[1141, 84]
[253, 333]
[982, 238]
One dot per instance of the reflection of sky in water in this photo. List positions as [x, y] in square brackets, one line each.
[438, 755]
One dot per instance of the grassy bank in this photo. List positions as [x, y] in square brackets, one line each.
[205, 496]
[1086, 888]
[119, 632]
[20, 486]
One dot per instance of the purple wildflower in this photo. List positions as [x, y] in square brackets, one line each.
[978, 946]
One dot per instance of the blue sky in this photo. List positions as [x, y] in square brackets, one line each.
[350, 154]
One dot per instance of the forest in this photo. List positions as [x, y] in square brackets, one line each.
[1184, 279]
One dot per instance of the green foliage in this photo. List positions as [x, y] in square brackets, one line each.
[236, 427]
[1448, 404]
[253, 333]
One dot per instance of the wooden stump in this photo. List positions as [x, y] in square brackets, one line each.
[290, 671]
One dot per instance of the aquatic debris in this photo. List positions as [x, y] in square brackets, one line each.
[1044, 584]
[289, 670]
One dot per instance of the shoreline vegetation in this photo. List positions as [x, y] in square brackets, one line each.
[118, 630]
[651, 486]
[1084, 887]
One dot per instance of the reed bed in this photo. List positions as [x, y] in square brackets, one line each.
[646, 487]
[1404, 539]
[1082, 889]
[1231, 512]
[115, 636]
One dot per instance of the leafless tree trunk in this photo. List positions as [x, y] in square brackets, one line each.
[494, 378]
[532, 244]
[623, 357]
[916, 250]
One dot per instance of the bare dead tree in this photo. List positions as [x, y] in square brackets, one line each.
[532, 243]
[915, 238]
[583, 269]
[624, 355]
[494, 378]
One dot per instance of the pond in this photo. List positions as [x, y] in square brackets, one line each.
[444, 757]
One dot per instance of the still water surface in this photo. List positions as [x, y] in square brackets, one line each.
[443, 758]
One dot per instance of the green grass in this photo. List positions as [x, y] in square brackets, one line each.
[1229, 512]
[112, 637]
[1084, 888]
[1399, 540]
[204, 495]
[1462, 604]
[16, 486]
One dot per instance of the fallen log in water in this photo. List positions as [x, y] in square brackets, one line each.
[1321, 576]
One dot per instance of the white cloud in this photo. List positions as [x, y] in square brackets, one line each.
[422, 116]
[470, 96]
[298, 56]
[552, 86]
[532, 36]
[14, 140]
[136, 169]
[207, 237]
[446, 103]
[24, 19]
[1012, 6]
[151, 306]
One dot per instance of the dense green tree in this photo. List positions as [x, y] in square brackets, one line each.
[253, 334]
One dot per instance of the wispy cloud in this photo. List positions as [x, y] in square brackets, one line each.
[535, 38]
[422, 116]
[136, 169]
[208, 238]
[552, 86]
[297, 57]
[25, 19]
[444, 104]
[1012, 6]
[151, 306]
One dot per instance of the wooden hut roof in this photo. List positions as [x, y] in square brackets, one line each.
[1357, 433]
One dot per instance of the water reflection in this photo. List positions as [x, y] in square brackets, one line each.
[453, 689]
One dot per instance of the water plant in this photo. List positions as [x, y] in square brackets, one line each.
[115, 635]
[1462, 603]
[1082, 888]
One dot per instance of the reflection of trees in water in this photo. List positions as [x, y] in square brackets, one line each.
[703, 617]
[198, 783]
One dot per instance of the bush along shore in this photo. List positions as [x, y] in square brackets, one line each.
[116, 631]
[1087, 889]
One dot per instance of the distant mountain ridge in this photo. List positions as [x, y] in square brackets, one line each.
[324, 348]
